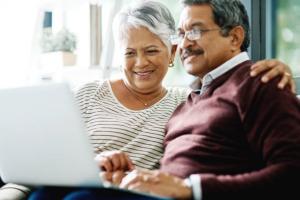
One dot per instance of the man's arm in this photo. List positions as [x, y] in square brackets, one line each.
[272, 122]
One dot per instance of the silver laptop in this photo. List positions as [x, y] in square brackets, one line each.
[43, 140]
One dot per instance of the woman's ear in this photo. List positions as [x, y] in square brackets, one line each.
[237, 35]
[173, 51]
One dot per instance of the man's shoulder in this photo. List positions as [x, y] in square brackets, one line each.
[240, 76]
[242, 71]
[247, 87]
[238, 83]
[236, 77]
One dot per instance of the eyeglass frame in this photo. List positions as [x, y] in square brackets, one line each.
[191, 35]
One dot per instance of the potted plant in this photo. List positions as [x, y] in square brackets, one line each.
[64, 42]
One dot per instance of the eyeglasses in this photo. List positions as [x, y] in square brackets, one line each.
[192, 35]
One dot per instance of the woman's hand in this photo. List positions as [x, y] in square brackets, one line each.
[111, 161]
[273, 68]
[157, 183]
[114, 178]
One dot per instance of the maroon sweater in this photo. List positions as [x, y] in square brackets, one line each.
[242, 136]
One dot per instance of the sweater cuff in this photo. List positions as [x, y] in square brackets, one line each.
[195, 181]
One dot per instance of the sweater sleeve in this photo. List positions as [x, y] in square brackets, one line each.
[271, 120]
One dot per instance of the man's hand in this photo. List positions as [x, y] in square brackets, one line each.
[157, 183]
[111, 161]
[273, 68]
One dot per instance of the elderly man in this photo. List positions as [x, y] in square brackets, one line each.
[234, 138]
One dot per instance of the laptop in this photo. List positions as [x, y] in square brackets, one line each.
[43, 140]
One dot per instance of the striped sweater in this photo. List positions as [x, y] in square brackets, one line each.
[112, 126]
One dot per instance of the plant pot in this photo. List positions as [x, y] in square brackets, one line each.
[69, 58]
[58, 59]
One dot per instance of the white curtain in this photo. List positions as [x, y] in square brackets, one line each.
[110, 8]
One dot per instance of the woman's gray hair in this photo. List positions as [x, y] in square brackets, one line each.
[153, 15]
[227, 15]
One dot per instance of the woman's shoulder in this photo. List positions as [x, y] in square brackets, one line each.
[177, 95]
[92, 89]
[179, 91]
[91, 86]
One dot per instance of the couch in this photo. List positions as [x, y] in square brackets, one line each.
[13, 192]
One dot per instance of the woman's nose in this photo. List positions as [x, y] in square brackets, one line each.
[141, 61]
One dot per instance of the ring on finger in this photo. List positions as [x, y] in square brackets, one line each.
[287, 74]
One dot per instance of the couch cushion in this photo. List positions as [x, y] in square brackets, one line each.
[13, 192]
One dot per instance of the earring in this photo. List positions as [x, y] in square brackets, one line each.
[171, 64]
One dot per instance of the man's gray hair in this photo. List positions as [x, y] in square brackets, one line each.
[153, 15]
[227, 15]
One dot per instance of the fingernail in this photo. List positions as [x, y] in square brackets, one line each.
[252, 73]
[280, 86]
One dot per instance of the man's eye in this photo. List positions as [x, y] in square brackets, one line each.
[195, 31]
[181, 35]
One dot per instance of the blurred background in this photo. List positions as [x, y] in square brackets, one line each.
[46, 40]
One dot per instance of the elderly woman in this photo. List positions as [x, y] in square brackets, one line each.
[129, 114]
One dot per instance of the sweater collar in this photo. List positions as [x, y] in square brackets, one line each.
[201, 85]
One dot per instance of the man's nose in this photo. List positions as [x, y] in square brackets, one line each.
[185, 42]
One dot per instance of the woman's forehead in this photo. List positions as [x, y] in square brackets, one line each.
[140, 36]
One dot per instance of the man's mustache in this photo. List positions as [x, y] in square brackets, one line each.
[190, 52]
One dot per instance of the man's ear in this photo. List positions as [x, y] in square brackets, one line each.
[237, 35]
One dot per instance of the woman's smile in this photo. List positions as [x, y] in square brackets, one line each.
[144, 74]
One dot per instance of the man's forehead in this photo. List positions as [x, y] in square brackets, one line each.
[195, 15]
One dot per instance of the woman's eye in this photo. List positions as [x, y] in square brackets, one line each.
[129, 53]
[152, 51]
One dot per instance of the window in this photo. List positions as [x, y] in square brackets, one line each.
[62, 40]
[275, 32]
[288, 33]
